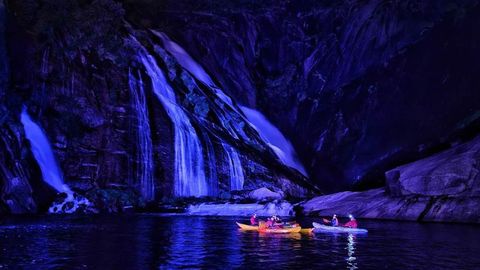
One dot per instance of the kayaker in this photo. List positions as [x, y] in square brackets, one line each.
[253, 220]
[333, 222]
[269, 223]
[262, 225]
[352, 223]
[276, 219]
[277, 222]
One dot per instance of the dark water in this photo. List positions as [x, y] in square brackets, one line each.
[165, 242]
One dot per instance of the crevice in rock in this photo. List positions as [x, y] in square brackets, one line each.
[427, 209]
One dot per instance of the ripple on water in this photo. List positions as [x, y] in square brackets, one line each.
[165, 242]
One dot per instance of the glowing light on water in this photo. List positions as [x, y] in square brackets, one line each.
[351, 259]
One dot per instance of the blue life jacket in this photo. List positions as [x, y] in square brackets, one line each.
[334, 222]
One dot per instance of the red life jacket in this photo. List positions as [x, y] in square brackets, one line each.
[351, 224]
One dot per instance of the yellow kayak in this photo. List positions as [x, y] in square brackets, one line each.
[307, 230]
[245, 227]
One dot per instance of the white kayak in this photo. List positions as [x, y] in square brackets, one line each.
[325, 228]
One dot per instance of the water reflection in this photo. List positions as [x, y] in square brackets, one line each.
[351, 259]
[294, 236]
[186, 243]
[170, 242]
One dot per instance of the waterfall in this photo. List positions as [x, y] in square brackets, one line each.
[235, 168]
[43, 153]
[184, 59]
[144, 142]
[189, 168]
[187, 62]
[275, 139]
[212, 166]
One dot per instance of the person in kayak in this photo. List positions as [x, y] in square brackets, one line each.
[352, 223]
[277, 222]
[253, 220]
[269, 223]
[333, 222]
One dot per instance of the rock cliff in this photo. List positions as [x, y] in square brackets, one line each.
[443, 187]
[143, 102]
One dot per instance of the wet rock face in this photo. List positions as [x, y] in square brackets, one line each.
[82, 100]
[359, 87]
[443, 187]
[22, 190]
[453, 173]
[378, 204]
[3, 52]
[369, 204]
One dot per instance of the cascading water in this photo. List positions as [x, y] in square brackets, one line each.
[43, 153]
[184, 59]
[187, 62]
[235, 168]
[189, 167]
[212, 165]
[275, 139]
[144, 142]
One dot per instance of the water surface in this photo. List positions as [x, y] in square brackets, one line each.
[166, 242]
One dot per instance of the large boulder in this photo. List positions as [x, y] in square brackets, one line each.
[443, 187]
[454, 172]
[368, 204]
[378, 204]
[264, 194]
[282, 208]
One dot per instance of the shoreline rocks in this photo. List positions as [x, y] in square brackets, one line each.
[378, 204]
[444, 187]
[454, 172]
[282, 208]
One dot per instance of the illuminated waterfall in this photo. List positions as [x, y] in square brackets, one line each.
[189, 165]
[274, 138]
[144, 142]
[212, 165]
[187, 62]
[43, 153]
[235, 168]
